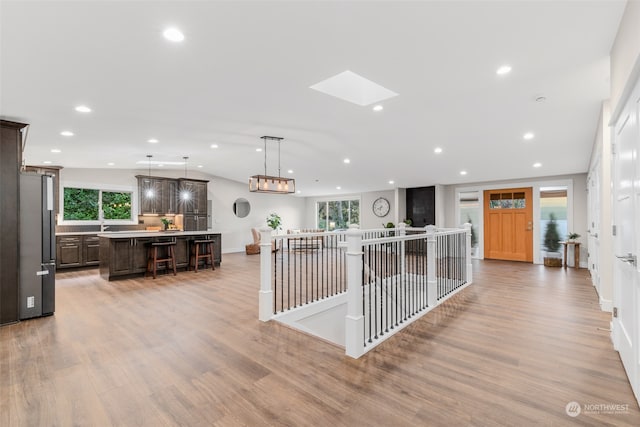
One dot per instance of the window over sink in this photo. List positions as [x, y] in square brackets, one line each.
[85, 204]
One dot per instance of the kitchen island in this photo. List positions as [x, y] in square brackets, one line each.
[125, 253]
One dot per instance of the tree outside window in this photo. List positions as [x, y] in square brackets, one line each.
[338, 214]
[83, 204]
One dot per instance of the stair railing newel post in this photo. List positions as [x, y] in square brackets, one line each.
[469, 267]
[402, 231]
[354, 321]
[265, 301]
[432, 284]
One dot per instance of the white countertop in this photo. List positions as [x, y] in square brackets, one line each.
[145, 233]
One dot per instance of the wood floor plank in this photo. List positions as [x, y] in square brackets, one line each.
[512, 349]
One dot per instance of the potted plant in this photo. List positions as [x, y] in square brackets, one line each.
[572, 236]
[165, 223]
[274, 221]
[552, 243]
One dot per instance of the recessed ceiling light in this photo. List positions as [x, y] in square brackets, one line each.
[463, 172]
[160, 165]
[338, 188]
[528, 136]
[537, 165]
[152, 141]
[299, 191]
[47, 162]
[173, 35]
[290, 171]
[66, 133]
[56, 150]
[347, 161]
[258, 149]
[83, 109]
[214, 145]
[391, 182]
[200, 166]
[110, 164]
[378, 108]
[437, 150]
[505, 69]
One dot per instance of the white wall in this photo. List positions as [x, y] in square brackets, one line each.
[576, 211]
[236, 232]
[600, 165]
[625, 56]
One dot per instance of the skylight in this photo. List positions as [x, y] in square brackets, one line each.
[351, 87]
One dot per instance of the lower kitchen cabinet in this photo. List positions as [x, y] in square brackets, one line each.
[91, 250]
[78, 250]
[121, 257]
[68, 251]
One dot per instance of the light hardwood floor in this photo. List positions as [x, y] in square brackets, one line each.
[512, 349]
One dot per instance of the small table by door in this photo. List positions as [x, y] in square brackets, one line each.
[576, 253]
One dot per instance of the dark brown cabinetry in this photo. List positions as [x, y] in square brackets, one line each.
[91, 250]
[68, 251]
[128, 256]
[166, 196]
[10, 161]
[193, 204]
[77, 251]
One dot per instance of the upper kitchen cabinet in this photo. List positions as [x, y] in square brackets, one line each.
[151, 194]
[192, 197]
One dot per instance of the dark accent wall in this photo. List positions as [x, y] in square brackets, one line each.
[421, 206]
[10, 161]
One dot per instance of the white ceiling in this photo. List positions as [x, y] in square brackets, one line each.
[245, 68]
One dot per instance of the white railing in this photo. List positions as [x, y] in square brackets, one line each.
[389, 277]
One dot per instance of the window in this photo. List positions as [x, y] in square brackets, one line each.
[338, 214]
[84, 204]
[469, 206]
[553, 217]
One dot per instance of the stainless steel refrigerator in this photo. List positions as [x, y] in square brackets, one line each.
[37, 246]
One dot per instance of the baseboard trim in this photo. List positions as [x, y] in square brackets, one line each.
[606, 305]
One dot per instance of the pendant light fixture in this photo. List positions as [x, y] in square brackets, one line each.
[149, 194]
[271, 184]
[185, 194]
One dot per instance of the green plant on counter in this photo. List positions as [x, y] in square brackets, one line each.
[165, 222]
[389, 225]
[572, 236]
[274, 221]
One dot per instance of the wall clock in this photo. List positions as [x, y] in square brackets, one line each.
[381, 207]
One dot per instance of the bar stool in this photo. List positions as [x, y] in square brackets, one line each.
[169, 257]
[196, 254]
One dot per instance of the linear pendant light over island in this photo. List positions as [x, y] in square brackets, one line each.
[271, 184]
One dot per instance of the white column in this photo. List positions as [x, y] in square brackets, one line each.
[266, 294]
[467, 227]
[432, 284]
[354, 322]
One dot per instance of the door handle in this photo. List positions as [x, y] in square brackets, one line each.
[529, 226]
[629, 258]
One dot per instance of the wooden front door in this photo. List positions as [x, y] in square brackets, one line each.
[508, 224]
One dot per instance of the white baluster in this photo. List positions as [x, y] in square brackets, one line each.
[469, 271]
[432, 284]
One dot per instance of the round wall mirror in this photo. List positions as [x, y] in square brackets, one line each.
[241, 207]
